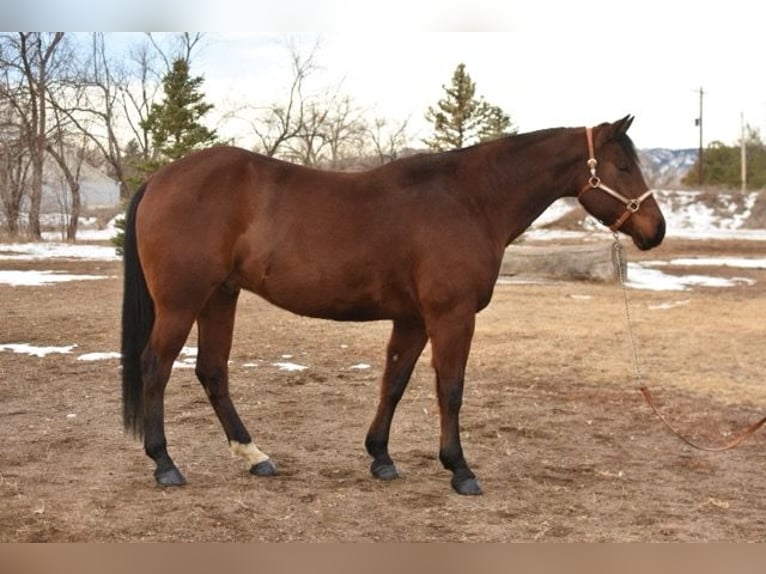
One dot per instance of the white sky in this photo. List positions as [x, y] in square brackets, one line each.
[545, 62]
[554, 63]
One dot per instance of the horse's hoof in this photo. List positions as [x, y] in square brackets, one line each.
[467, 486]
[384, 471]
[170, 477]
[264, 468]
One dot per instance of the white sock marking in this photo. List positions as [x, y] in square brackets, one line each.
[248, 452]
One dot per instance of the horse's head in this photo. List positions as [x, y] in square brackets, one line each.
[615, 191]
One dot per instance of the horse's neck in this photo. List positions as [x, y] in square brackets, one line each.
[523, 180]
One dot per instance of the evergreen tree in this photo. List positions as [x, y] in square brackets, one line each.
[722, 164]
[175, 122]
[461, 118]
[175, 127]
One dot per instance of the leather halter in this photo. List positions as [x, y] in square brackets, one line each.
[632, 205]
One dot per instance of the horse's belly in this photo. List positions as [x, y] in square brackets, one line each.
[354, 294]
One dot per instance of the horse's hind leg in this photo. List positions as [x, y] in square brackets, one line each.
[404, 348]
[216, 327]
[168, 336]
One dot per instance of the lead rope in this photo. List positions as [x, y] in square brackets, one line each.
[622, 265]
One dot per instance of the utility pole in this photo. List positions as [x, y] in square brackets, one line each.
[743, 153]
[700, 155]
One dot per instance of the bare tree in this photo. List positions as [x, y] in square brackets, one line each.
[14, 167]
[180, 47]
[311, 137]
[277, 124]
[313, 128]
[30, 62]
[345, 131]
[96, 112]
[387, 142]
[69, 160]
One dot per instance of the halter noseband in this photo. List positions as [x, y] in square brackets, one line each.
[594, 182]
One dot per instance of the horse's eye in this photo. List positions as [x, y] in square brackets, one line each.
[624, 167]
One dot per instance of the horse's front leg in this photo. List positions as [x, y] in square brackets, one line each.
[451, 343]
[407, 341]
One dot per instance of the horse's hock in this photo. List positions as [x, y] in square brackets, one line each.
[589, 262]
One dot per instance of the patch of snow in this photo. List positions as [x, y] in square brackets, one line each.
[51, 250]
[290, 366]
[99, 356]
[41, 278]
[87, 230]
[185, 364]
[556, 211]
[669, 305]
[737, 262]
[35, 351]
[642, 277]
[692, 210]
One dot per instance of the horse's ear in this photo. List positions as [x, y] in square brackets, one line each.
[620, 127]
[607, 132]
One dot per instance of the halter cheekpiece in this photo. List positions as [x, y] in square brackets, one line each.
[632, 205]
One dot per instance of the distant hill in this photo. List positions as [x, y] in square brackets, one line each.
[664, 168]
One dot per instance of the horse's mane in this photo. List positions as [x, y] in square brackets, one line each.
[629, 148]
[425, 163]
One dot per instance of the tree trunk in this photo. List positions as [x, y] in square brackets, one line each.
[11, 213]
[74, 188]
[36, 194]
[74, 216]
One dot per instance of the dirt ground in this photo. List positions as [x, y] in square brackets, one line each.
[553, 423]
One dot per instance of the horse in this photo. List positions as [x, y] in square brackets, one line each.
[417, 241]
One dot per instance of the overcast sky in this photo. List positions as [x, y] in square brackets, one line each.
[545, 62]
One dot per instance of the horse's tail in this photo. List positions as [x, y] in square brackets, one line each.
[137, 322]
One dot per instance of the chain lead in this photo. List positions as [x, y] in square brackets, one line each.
[622, 267]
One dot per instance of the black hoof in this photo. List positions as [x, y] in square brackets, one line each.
[264, 468]
[170, 477]
[384, 471]
[466, 486]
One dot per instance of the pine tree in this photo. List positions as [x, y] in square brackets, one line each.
[175, 127]
[461, 118]
[175, 122]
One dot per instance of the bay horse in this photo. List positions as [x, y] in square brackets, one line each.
[417, 241]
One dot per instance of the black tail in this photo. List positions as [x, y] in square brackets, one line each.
[137, 322]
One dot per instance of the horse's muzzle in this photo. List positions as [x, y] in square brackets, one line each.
[646, 242]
